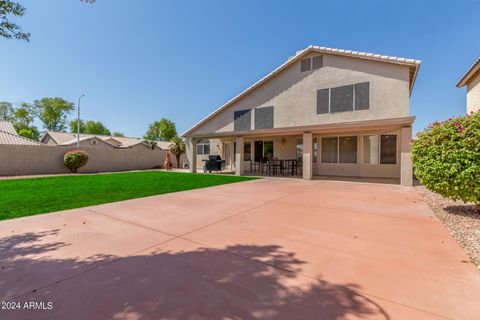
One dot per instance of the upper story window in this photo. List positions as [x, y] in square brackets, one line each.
[203, 147]
[306, 65]
[242, 120]
[344, 98]
[311, 63]
[264, 118]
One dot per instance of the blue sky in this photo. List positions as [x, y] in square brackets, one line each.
[138, 61]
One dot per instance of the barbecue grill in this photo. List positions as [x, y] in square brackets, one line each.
[214, 163]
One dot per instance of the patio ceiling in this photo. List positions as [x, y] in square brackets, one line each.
[372, 125]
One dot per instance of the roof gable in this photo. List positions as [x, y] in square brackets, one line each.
[413, 64]
[474, 68]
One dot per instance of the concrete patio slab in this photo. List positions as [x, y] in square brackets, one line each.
[264, 249]
[172, 216]
[181, 279]
[40, 250]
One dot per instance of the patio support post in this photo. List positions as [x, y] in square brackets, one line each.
[406, 168]
[239, 169]
[307, 156]
[192, 155]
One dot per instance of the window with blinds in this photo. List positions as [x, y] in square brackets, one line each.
[264, 118]
[345, 98]
[242, 120]
[306, 65]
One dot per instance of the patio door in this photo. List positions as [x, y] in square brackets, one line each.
[258, 146]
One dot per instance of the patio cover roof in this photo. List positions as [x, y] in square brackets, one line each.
[344, 127]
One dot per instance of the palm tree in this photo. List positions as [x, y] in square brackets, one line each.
[177, 148]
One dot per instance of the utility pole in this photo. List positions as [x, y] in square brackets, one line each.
[78, 121]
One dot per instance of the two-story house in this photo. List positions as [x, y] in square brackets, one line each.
[471, 79]
[336, 112]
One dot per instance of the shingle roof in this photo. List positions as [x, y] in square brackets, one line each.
[14, 139]
[474, 68]
[65, 138]
[7, 126]
[412, 63]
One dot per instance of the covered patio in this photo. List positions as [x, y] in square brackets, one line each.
[361, 149]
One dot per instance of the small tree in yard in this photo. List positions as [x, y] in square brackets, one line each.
[177, 148]
[446, 158]
[75, 159]
[163, 130]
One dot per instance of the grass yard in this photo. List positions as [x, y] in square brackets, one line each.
[25, 197]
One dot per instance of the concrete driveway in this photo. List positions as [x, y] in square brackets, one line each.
[264, 249]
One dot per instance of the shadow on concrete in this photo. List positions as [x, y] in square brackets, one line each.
[238, 282]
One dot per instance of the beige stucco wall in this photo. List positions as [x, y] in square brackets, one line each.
[29, 160]
[286, 149]
[360, 169]
[293, 94]
[215, 149]
[473, 93]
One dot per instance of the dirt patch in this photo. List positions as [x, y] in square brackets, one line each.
[462, 221]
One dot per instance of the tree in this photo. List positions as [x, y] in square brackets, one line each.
[177, 148]
[6, 111]
[118, 134]
[8, 29]
[163, 130]
[53, 113]
[96, 127]
[89, 127]
[74, 126]
[446, 158]
[23, 121]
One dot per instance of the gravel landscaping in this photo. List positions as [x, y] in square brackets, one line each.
[462, 221]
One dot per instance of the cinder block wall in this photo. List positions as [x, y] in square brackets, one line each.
[31, 160]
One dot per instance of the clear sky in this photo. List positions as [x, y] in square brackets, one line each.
[141, 60]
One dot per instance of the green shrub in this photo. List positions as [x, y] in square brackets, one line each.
[446, 158]
[75, 159]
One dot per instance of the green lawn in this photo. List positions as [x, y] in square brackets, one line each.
[25, 197]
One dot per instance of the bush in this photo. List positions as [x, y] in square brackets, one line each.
[75, 159]
[446, 158]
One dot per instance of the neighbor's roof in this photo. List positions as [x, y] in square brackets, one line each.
[412, 63]
[165, 145]
[14, 139]
[7, 126]
[84, 138]
[470, 72]
[65, 138]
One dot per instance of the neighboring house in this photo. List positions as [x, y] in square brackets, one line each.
[471, 79]
[52, 138]
[340, 112]
[8, 135]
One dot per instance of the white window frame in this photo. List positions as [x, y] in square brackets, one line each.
[203, 144]
[319, 151]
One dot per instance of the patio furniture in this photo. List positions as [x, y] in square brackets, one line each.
[297, 168]
[214, 163]
[255, 166]
[288, 166]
